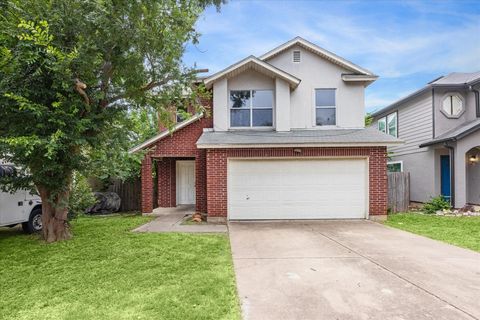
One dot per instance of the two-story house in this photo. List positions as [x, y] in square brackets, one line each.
[287, 140]
[440, 125]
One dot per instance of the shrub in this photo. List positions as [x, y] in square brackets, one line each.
[81, 196]
[435, 204]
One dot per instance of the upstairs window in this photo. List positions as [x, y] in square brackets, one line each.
[251, 108]
[452, 105]
[325, 107]
[389, 124]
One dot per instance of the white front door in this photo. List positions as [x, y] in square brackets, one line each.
[297, 189]
[185, 182]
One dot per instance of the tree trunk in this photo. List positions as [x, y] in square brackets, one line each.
[54, 215]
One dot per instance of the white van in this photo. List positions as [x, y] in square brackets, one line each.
[20, 207]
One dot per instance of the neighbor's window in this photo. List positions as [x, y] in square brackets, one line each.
[452, 105]
[251, 108]
[395, 166]
[325, 107]
[389, 124]
[382, 125]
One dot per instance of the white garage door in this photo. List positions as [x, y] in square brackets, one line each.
[297, 189]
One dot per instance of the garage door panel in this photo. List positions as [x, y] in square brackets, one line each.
[297, 188]
[282, 196]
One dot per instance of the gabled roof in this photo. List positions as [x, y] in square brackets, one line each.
[165, 133]
[456, 133]
[256, 64]
[458, 78]
[296, 138]
[453, 79]
[330, 56]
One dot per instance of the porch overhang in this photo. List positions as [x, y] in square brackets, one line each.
[454, 134]
[367, 137]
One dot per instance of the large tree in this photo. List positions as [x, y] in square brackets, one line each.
[72, 70]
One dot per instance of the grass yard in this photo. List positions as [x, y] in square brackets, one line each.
[108, 272]
[460, 231]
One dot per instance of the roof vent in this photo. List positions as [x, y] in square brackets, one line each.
[296, 56]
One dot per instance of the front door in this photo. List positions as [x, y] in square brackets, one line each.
[185, 182]
[445, 187]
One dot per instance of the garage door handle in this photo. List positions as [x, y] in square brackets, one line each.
[247, 197]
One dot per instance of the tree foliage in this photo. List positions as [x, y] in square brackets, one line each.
[72, 74]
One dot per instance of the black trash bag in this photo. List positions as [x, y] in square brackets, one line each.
[107, 202]
[7, 170]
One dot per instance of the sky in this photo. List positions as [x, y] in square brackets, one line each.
[406, 43]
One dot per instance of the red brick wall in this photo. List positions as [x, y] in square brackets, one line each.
[147, 185]
[167, 183]
[180, 144]
[201, 181]
[217, 172]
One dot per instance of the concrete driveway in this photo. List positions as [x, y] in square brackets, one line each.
[350, 270]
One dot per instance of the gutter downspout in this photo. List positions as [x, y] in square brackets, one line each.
[433, 113]
[477, 98]
[452, 173]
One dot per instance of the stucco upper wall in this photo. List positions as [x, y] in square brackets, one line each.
[316, 73]
[250, 80]
[247, 80]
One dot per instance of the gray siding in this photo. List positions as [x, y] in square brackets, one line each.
[415, 124]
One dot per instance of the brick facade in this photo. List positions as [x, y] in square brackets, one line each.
[166, 170]
[217, 172]
[147, 185]
[211, 169]
[180, 145]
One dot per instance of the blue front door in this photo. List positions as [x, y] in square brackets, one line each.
[445, 187]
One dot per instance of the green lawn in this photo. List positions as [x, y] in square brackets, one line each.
[108, 272]
[459, 231]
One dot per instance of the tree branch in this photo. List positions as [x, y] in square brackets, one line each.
[80, 88]
[148, 86]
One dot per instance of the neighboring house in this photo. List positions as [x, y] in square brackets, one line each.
[440, 125]
[286, 141]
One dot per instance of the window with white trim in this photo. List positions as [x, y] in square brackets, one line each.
[251, 108]
[395, 166]
[389, 124]
[325, 107]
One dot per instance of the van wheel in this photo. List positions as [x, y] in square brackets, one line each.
[34, 223]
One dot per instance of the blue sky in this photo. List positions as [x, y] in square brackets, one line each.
[407, 43]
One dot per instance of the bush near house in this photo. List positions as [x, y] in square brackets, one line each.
[436, 204]
[81, 195]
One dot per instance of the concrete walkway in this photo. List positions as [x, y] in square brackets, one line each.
[351, 270]
[170, 220]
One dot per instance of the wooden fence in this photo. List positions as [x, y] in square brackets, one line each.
[130, 192]
[398, 191]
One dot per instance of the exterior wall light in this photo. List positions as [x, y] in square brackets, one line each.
[473, 159]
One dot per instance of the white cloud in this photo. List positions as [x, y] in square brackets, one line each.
[393, 39]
